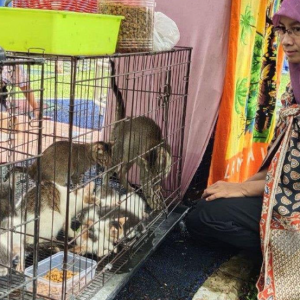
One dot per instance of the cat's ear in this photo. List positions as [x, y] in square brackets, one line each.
[122, 221]
[90, 222]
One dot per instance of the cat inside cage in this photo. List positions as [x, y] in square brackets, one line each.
[84, 182]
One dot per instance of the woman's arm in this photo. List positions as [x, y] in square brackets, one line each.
[259, 175]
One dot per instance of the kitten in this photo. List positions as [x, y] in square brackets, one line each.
[53, 208]
[11, 245]
[96, 236]
[139, 137]
[102, 227]
[130, 202]
[55, 159]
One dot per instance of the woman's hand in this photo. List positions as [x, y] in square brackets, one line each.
[223, 189]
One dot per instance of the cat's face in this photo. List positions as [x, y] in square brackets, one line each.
[100, 235]
[101, 153]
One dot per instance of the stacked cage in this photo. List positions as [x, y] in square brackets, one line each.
[111, 137]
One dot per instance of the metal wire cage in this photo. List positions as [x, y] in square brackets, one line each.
[87, 6]
[111, 134]
[19, 142]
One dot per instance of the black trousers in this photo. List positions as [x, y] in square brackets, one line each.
[230, 223]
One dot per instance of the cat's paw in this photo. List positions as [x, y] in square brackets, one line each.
[156, 204]
[80, 250]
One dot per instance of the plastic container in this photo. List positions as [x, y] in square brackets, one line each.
[88, 6]
[58, 32]
[136, 32]
[84, 267]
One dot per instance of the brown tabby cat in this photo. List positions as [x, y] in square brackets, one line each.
[55, 159]
[138, 137]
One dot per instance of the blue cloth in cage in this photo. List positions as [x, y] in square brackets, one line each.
[87, 113]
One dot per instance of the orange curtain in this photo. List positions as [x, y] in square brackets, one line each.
[246, 115]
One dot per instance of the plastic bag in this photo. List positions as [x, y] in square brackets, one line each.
[165, 34]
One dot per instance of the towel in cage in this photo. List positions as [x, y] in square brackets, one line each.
[86, 113]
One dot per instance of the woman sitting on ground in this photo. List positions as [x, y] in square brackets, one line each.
[262, 214]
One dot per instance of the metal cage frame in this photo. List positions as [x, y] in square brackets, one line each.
[78, 96]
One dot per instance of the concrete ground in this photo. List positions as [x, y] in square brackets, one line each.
[181, 269]
[175, 271]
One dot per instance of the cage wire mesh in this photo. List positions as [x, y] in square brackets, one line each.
[19, 142]
[110, 130]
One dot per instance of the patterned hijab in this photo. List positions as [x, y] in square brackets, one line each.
[291, 9]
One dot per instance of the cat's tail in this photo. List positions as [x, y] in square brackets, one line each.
[120, 105]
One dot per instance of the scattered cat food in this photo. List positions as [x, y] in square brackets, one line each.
[56, 275]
